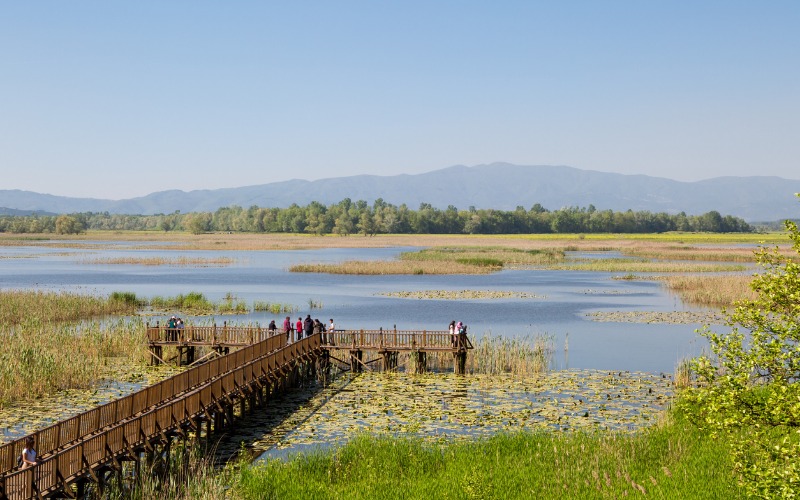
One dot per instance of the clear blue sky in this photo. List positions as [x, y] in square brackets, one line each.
[114, 99]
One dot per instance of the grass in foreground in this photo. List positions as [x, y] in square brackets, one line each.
[673, 460]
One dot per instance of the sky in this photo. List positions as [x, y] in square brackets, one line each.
[116, 100]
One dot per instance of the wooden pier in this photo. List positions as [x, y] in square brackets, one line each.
[86, 451]
[387, 343]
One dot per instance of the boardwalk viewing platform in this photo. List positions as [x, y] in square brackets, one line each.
[387, 343]
[119, 438]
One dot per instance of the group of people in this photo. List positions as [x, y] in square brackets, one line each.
[456, 329]
[173, 326]
[303, 327]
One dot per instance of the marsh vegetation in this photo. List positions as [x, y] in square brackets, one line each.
[670, 458]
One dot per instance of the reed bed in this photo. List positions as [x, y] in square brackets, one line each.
[492, 256]
[441, 260]
[392, 267]
[702, 253]
[45, 306]
[638, 266]
[192, 302]
[189, 475]
[39, 357]
[518, 356]
[284, 241]
[273, 307]
[711, 291]
[164, 261]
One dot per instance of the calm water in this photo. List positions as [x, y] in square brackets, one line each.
[355, 301]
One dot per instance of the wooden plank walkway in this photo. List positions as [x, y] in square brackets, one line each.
[82, 449]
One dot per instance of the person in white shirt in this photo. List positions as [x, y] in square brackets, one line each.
[28, 453]
[330, 330]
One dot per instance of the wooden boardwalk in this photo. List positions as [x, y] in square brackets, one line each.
[89, 447]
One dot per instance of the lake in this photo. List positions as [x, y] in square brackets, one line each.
[559, 309]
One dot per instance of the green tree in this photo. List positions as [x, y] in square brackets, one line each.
[68, 224]
[750, 386]
[199, 223]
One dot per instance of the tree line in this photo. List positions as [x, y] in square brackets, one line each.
[349, 217]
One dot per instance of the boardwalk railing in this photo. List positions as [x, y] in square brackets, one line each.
[207, 335]
[74, 447]
[397, 340]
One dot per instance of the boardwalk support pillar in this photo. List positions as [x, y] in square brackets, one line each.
[356, 361]
[460, 362]
[390, 361]
[421, 361]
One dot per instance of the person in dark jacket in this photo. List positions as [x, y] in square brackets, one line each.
[308, 326]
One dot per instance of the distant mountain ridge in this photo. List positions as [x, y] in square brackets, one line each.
[498, 185]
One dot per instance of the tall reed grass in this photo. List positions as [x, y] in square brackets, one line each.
[518, 356]
[391, 267]
[273, 307]
[639, 266]
[35, 305]
[39, 357]
[194, 302]
[190, 475]
[711, 291]
[163, 261]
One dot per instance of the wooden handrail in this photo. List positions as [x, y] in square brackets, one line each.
[77, 458]
[72, 429]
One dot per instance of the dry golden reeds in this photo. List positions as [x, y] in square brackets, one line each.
[392, 267]
[711, 291]
[163, 261]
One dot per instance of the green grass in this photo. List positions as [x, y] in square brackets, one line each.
[274, 308]
[674, 460]
[191, 302]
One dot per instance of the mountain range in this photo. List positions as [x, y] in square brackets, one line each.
[498, 185]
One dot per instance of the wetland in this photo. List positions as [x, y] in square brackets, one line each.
[612, 340]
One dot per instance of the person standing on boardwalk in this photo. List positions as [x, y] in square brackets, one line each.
[308, 326]
[287, 328]
[171, 332]
[28, 457]
[272, 327]
[452, 330]
[331, 329]
[299, 331]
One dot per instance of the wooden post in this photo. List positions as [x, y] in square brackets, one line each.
[389, 361]
[460, 362]
[355, 361]
[421, 361]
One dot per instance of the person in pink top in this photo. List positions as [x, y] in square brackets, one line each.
[287, 328]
